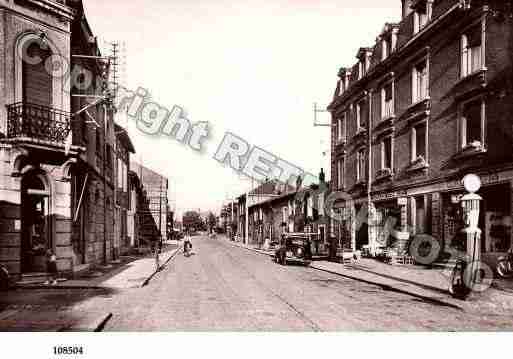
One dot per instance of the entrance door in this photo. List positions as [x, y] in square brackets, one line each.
[34, 225]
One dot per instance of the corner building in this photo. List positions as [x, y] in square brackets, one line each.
[429, 103]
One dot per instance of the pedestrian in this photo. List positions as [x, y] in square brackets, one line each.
[51, 265]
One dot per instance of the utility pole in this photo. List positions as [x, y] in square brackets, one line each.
[160, 211]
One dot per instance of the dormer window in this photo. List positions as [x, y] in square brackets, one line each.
[346, 79]
[422, 14]
[361, 69]
[386, 45]
[363, 56]
[343, 82]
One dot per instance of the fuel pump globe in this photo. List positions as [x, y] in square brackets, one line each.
[472, 183]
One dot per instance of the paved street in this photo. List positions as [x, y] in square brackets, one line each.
[227, 288]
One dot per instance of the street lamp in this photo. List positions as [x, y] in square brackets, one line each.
[470, 203]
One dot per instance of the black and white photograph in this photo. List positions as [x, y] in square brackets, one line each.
[255, 166]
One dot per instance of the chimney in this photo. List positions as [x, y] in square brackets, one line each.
[322, 176]
[406, 6]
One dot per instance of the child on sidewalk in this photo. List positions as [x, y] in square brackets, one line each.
[51, 265]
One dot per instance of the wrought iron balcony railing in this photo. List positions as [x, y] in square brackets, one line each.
[37, 122]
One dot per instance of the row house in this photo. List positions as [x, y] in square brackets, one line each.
[123, 149]
[428, 104]
[255, 221]
[297, 209]
[56, 158]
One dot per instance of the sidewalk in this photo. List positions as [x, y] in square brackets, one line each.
[428, 284]
[131, 272]
[41, 308]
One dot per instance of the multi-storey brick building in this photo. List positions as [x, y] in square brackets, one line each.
[427, 104]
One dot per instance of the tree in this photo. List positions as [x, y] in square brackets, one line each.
[211, 220]
[192, 220]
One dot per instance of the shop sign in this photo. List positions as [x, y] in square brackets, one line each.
[388, 195]
[402, 201]
[485, 179]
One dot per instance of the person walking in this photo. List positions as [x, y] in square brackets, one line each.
[51, 265]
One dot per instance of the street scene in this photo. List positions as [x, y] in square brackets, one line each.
[192, 175]
[227, 288]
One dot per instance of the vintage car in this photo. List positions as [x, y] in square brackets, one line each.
[294, 248]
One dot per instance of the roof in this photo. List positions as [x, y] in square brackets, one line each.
[272, 187]
[122, 134]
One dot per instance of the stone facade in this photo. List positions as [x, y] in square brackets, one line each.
[56, 170]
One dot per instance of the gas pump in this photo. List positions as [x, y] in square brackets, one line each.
[463, 276]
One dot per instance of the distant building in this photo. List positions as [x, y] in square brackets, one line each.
[153, 204]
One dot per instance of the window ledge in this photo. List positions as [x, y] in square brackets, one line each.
[417, 165]
[476, 74]
[473, 149]
[383, 174]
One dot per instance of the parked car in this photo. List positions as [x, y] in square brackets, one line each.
[295, 248]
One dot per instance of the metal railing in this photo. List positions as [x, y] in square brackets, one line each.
[37, 122]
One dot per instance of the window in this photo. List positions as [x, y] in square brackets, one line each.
[360, 115]
[361, 69]
[386, 49]
[309, 206]
[422, 15]
[386, 153]
[340, 173]
[387, 101]
[341, 128]
[419, 133]
[472, 124]
[320, 204]
[285, 214]
[420, 82]
[360, 166]
[471, 52]
[125, 177]
[120, 173]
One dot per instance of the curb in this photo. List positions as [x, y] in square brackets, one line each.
[57, 287]
[383, 286]
[95, 325]
[388, 287]
[172, 256]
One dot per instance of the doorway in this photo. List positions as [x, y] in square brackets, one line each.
[35, 224]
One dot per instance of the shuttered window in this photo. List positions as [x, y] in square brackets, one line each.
[37, 82]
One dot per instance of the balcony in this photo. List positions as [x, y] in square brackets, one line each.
[29, 122]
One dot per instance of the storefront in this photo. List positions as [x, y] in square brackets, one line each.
[494, 220]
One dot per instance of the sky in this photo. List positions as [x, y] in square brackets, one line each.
[250, 67]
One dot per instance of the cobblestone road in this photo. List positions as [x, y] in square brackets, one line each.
[225, 288]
